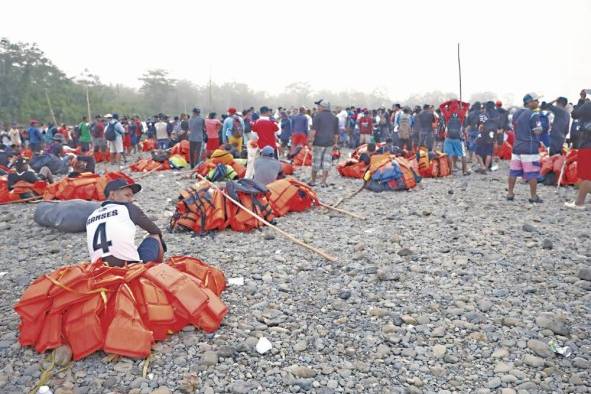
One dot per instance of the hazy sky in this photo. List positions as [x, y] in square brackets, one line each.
[509, 47]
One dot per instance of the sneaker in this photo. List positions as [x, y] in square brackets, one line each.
[572, 205]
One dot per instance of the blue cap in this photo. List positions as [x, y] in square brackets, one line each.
[267, 151]
[531, 97]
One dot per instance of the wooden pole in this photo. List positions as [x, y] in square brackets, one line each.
[349, 196]
[260, 219]
[341, 211]
[50, 108]
[88, 105]
[145, 174]
[22, 200]
[460, 71]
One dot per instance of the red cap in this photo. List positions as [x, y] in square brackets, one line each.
[231, 110]
[499, 103]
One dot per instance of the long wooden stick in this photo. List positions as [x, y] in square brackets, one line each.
[460, 72]
[145, 174]
[349, 196]
[88, 105]
[562, 168]
[341, 211]
[22, 200]
[284, 233]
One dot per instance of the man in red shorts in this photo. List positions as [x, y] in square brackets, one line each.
[299, 135]
[582, 112]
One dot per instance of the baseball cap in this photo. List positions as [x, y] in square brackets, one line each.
[531, 97]
[231, 110]
[499, 103]
[119, 184]
[267, 151]
[108, 116]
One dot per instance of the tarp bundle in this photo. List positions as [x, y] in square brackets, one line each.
[87, 186]
[387, 172]
[66, 216]
[21, 190]
[202, 209]
[120, 310]
[552, 165]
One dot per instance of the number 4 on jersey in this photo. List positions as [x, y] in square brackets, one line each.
[99, 241]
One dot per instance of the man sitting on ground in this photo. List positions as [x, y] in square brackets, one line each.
[366, 156]
[266, 167]
[22, 172]
[110, 230]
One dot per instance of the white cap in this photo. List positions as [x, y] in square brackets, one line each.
[108, 116]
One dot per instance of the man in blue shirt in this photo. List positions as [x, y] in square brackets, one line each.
[525, 158]
[35, 137]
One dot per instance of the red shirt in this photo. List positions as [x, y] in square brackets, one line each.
[265, 129]
[365, 125]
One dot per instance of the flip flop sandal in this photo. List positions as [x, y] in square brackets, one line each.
[510, 198]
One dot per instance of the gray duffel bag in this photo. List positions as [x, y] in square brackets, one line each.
[65, 216]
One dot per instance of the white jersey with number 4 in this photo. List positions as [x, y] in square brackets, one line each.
[111, 232]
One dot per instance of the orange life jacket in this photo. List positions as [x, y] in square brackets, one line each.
[240, 220]
[181, 148]
[200, 209]
[287, 168]
[148, 145]
[290, 195]
[352, 168]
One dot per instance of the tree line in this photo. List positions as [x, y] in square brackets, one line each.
[31, 85]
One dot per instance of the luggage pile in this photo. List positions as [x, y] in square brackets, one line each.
[389, 173]
[202, 209]
[121, 310]
[86, 186]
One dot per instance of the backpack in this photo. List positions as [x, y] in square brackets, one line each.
[110, 133]
[237, 129]
[404, 126]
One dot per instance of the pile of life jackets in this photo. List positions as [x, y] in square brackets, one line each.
[143, 165]
[504, 151]
[100, 157]
[202, 209]
[303, 158]
[20, 191]
[551, 166]
[287, 168]
[432, 164]
[389, 173]
[182, 149]
[121, 310]
[148, 145]
[206, 167]
[352, 168]
[86, 186]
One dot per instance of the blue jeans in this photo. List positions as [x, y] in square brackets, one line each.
[149, 250]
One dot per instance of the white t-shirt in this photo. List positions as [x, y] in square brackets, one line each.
[161, 133]
[111, 232]
[342, 116]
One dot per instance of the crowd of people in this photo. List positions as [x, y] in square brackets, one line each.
[467, 133]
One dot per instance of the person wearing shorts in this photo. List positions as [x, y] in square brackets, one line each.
[324, 135]
[116, 146]
[525, 159]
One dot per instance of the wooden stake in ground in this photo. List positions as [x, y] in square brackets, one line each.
[341, 211]
[562, 168]
[349, 196]
[260, 219]
[88, 105]
[145, 174]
